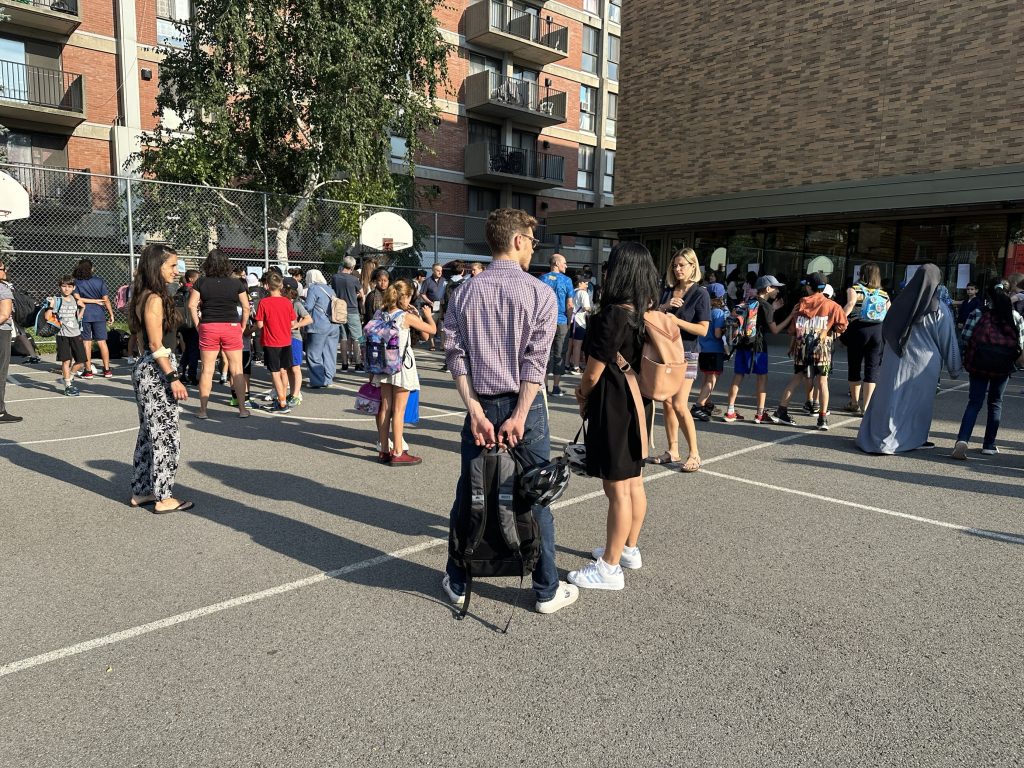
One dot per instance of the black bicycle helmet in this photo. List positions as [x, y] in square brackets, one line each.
[543, 484]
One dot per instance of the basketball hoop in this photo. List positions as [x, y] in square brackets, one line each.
[385, 231]
[13, 199]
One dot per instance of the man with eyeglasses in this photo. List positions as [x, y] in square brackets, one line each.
[497, 337]
[6, 333]
[560, 283]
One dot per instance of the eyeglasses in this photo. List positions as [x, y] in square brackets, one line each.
[534, 241]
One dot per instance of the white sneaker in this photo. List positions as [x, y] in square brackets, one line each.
[990, 451]
[93, 368]
[959, 450]
[630, 557]
[567, 594]
[598, 575]
[455, 597]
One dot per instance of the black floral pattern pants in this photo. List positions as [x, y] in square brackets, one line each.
[159, 441]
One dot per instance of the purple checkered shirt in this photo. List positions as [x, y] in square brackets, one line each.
[499, 328]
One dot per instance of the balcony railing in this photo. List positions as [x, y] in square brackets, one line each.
[529, 26]
[526, 162]
[61, 6]
[53, 187]
[527, 95]
[41, 87]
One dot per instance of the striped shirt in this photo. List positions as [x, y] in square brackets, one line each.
[499, 328]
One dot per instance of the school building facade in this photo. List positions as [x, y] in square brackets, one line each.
[799, 137]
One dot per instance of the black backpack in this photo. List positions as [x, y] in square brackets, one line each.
[25, 309]
[494, 532]
[117, 343]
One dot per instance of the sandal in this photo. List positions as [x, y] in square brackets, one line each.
[692, 464]
[182, 506]
[135, 503]
[665, 458]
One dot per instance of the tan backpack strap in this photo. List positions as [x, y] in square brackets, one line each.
[638, 401]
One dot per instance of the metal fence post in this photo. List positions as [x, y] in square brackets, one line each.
[131, 228]
[436, 259]
[266, 235]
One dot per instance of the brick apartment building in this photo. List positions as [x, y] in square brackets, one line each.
[783, 136]
[529, 119]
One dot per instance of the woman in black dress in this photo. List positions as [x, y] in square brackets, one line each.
[614, 438]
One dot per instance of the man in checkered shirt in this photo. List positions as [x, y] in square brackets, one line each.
[498, 333]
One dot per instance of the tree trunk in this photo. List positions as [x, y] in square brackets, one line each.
[284, 226]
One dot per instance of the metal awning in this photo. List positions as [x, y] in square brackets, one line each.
[1003, 185]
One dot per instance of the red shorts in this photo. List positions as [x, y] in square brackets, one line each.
[216, 337]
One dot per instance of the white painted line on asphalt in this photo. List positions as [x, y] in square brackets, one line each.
[52, 397]
[153, 626]
[8, 443]
[915, 518]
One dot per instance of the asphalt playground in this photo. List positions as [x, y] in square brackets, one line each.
[800, 603]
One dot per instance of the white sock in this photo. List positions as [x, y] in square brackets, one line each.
[605, 569]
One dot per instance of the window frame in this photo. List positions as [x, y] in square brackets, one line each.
[613, 64]
[591, 56]
[591, 111]
[586, 151]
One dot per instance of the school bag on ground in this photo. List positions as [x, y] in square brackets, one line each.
[992, 349]
[494, 532]
[117, 343]
[44, 327]
[872, 308]
[662, 362]
[383, 354]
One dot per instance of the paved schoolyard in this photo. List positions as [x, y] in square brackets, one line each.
[800, 603]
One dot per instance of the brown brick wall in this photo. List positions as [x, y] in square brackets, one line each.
[92, 154]
[780, 94]
[100, 70]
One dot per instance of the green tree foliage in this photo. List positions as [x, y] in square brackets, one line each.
[290, 96]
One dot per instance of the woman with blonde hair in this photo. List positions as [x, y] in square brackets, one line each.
[395, 388]
[689, 303]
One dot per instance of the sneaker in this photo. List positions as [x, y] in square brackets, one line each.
[761, 418]
[279, 409]
[630, 557]
[344, 367]
[702, 415]
[854, 408]
[457, 598]
[598, 575]
[71, 391]
[92, 369]
[405, 459]
[294, 401]
[107, 373]
[224, 381]
[823, 423]
[710, 407]
[359, 367]
[556, 392]
[960, 450]
[695, 409]
[86, 374]
[567, 594]
[233, 402]
[250, 403]
[732, 416]
[269, 398]
[781, 416]
[810, 407]
[8, 418]
[990, 451]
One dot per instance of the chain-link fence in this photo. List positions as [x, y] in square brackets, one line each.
[108, 219]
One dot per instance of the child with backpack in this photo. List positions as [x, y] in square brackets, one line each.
[817, 321]
[275, 317]
[746, 329]
[392, 365]
[866, 307]
[64, 312]
[993, 340]
[711, 360]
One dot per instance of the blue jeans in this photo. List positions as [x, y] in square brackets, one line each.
[322, 356]
[534, 449]
[979, 387]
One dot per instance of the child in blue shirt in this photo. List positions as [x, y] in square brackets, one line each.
[711, 360]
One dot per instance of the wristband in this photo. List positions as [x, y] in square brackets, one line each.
[171, 377]
[162, 352]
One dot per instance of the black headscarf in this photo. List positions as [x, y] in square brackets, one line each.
[918, 299]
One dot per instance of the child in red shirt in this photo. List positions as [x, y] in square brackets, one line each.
[275, 316]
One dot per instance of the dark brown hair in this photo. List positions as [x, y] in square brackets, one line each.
[505, 223]
[149, 280]
[870, 275]
[217, 264]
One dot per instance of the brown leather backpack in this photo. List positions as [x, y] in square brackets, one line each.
[663, 364]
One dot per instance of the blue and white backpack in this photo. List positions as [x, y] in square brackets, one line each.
[872, 309]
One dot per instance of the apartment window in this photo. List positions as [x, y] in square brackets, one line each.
[610, 114]
[591, 50]
[527, 203]
[580, 240]
[609, 172]
[615, 11]
[482, 200]
[484, 132]
[480, 63]
[399, 149]
[613, 57]
[585, 168]
[529, 75]
[588, 108]
[167, 13]
[592, 7]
